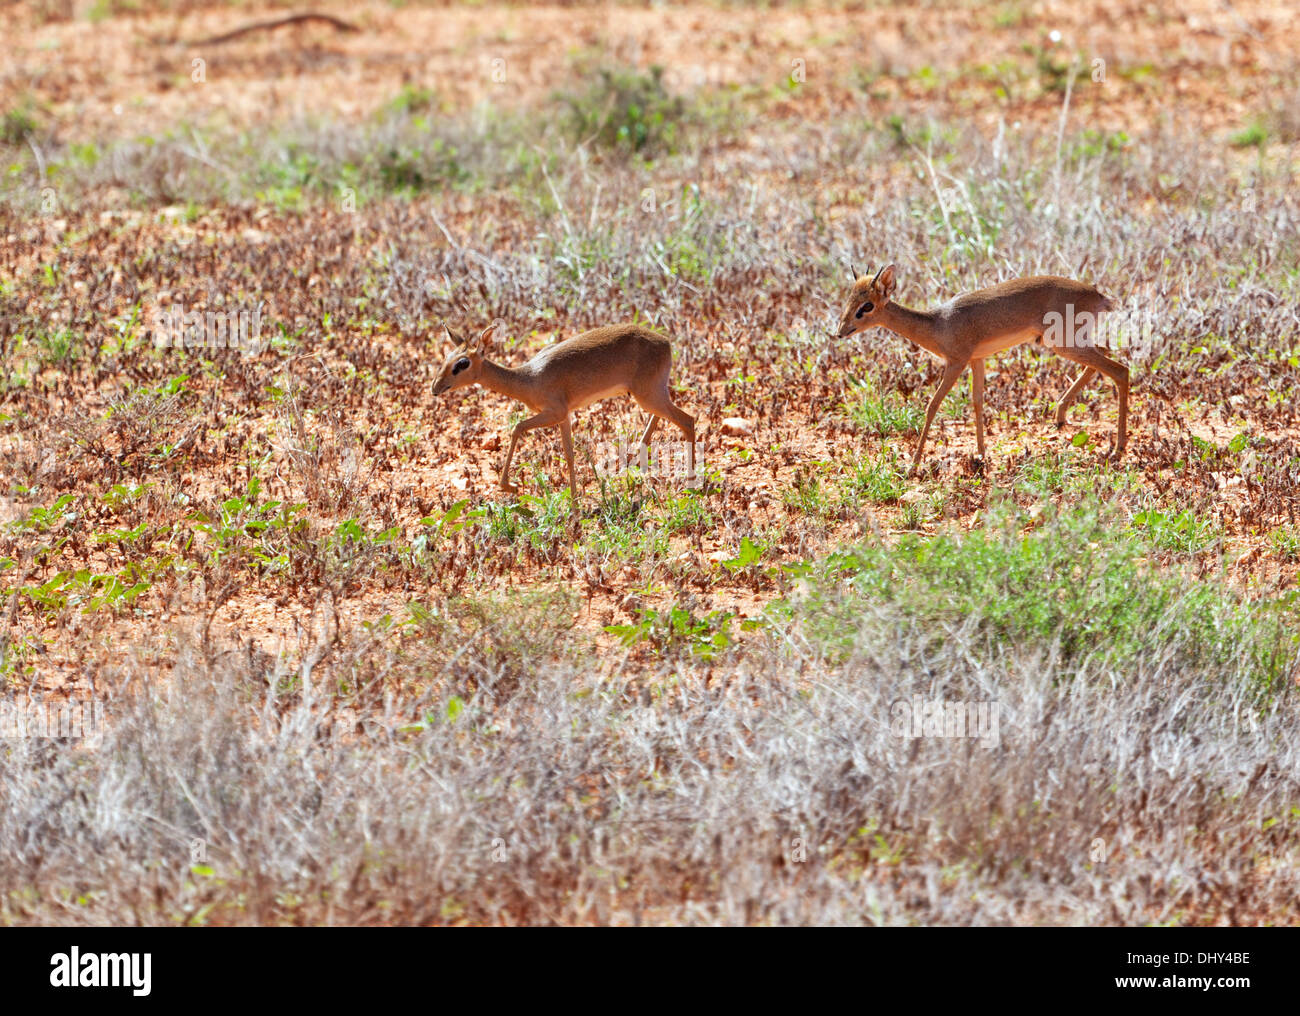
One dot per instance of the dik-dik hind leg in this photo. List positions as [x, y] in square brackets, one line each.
[547, 418]
[1067, 400]
[1093, 357]
[643, 455]
[659, 403]
[951, 372]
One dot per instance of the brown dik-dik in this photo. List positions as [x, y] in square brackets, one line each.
[965, 330]
[614, 360]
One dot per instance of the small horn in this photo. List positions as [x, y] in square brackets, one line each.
[873, 281]
[852, 271]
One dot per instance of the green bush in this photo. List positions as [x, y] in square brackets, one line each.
[1079, 586]
[629, 110]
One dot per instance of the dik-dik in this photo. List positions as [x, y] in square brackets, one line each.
[970, 327]
[614, 360]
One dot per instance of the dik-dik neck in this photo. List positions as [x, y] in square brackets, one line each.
[921, 326]
[515, 382]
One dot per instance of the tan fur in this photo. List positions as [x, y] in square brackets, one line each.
[973, 326]
[608, 361]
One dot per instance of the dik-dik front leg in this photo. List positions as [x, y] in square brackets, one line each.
[547, 418]
[1099, 363]
[566, 435]
[951, 372]
[977, 400]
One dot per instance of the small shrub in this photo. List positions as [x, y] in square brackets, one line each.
[629, 110]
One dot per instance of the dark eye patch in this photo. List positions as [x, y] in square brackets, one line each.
[461, 364]
[866, 308]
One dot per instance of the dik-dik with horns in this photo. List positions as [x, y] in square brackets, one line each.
[614, 360]
[970, 327]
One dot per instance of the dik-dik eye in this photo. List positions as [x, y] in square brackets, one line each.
[461, 364]
[866, 308]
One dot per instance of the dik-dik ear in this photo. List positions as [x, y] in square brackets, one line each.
[454, 341]
[484, 344]
[885, 281]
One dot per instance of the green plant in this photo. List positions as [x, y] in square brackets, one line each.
[747, 557]
[881, 413]
[881, 480]
[1074, 583]
[687, 511]
[1254, 134]
[17, 124]
[1179, 531]
[915, 514]
[677, 630]
[413, 99]
[538, 521]
[57, 348]
[627, 109]
[807, 495]
[260, 535]
[1285, 541]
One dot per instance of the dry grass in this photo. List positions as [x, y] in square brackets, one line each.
[769, 789]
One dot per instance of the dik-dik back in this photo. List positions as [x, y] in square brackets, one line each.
[993, 319]
[612, 360]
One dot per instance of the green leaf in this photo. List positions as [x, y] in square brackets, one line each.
[454, 512]
[749, 554]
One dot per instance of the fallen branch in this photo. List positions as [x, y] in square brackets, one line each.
[258, 26]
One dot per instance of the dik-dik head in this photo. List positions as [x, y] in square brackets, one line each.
[868, 298]
[464, 364]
